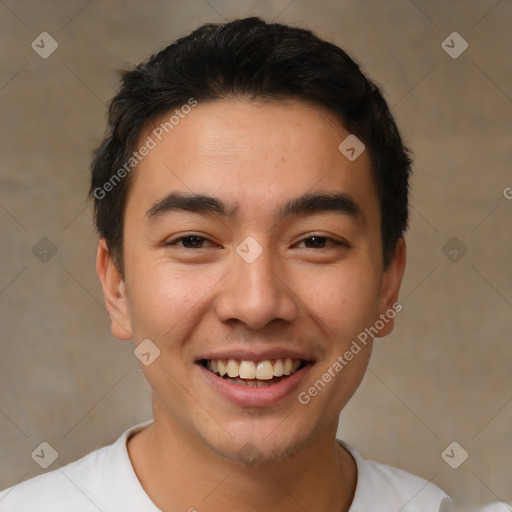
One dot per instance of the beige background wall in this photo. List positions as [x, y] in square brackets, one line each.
[443, 375]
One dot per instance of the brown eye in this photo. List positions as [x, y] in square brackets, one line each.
[188, 242]
[319, 242]
[316, 241]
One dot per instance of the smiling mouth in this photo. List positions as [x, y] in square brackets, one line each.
[254, 373]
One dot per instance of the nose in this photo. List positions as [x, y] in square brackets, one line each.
[256, 293]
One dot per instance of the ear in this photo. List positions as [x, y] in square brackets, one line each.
[114, 291]
[390, 286]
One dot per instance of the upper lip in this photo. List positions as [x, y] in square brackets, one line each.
[256, 355]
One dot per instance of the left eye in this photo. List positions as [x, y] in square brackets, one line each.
[318, 242]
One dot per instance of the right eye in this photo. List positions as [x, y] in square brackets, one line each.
[188, 241]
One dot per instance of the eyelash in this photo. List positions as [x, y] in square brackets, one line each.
[325, 238]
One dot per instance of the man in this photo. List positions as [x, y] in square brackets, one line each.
[251, 196]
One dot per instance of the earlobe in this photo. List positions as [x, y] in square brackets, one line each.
[114, 291]
[391, 281]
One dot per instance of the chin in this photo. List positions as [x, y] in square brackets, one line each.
[258, 446]
[252, 453]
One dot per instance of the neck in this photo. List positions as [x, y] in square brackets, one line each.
[179, 473]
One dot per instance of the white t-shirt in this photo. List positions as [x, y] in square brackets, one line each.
[104, 480]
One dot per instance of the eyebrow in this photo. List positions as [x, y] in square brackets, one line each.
[208, 205]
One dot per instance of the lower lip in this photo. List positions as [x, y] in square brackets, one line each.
[246, 396]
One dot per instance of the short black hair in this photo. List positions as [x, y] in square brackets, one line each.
[257, 60]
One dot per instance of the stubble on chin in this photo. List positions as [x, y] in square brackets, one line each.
[253, 453]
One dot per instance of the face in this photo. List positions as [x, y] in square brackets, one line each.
[274, 266]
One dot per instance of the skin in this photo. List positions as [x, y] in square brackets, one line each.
[295, 295]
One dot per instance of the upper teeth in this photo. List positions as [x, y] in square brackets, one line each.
[262, 370]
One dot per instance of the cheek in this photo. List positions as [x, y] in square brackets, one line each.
[343, 298]
[165, 295]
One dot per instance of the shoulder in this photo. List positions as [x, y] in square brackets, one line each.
[72, 483]
[87, 484]
[389, 488]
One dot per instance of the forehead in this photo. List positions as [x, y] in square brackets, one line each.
[251, 154]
